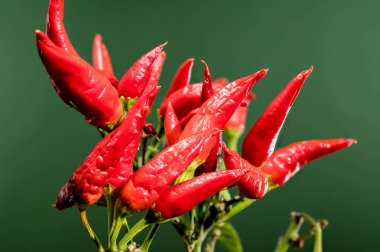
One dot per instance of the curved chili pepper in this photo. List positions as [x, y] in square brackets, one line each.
[55, 29]
[261, 139]
[253, 184]
[110, 161]
[172, 127]
[182, 197]
[102, 60]
[181, 78]
[146, 185]
[287, 161]
[79, 84]
[136, 78]
[217, 110]
[238, 119]
[186, 99]
[211, 162]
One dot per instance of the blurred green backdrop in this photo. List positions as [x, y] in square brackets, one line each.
[43, 140]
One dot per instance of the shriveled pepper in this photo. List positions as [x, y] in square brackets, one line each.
[261, 139]
[147, 184]
[287, 161]
[79, 84]
[181, 78]
[102, 61]
[110, 161]
[182, 197]
[217, 110]
[253, 184]
[55, 28]
[136, 78]
[172, 126]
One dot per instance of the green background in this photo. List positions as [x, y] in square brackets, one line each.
[43, 140]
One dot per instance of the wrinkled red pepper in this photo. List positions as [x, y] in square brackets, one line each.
[102, 61]
[182, 197]
[261, 139]
[55, 28]
[146, 185]
[79, 84]
[172, 126]
[253, 184]
[136, 78]
[217, 110]
[110, 161]
[287, 161]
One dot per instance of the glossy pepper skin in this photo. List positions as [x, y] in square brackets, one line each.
[211, 162]
[172, 126]
[261, 139]
[136, 78]
[110, 161]
[182, 197]
[181, 78]
[217, 110]
[287, 161]
[55, 28]
[253, 184]
[238, 119]
[79, 84]
[101, 60]
[146, 185]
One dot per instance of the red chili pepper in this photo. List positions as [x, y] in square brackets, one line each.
[287, 161]
[79, 84]
[261, 139]
[217, 110]
[182, 197]
[136, 78]
[55, 28]
[110, 161]
[181, 78]
[238, 119]
[254, 184]
[211, 162]
[146, 185]
[172, 127]
[185, 100]
[102, 60]
[187, 118]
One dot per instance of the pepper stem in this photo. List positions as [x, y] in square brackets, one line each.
[90, 231]
[137, 228]
[149, 238]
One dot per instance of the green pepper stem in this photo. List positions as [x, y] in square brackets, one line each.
[149, 238]
[137, 228]
[318, 238]
[90, 231]
[239, 207]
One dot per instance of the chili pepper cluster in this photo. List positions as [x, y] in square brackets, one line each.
[195, 162]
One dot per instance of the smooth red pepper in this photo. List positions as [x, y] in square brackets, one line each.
[79, 84]
[261, 139]
[287, 161]
[181, 78]
[212, 160]
[55, 29]
[101, 60]
[110, 161]
[182, 197]
[253, 184]
[136, 78]
[217, 110]
[146, 185]
[172, 126]
[238, 119]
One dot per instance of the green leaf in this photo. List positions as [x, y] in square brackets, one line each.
[229, 238]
